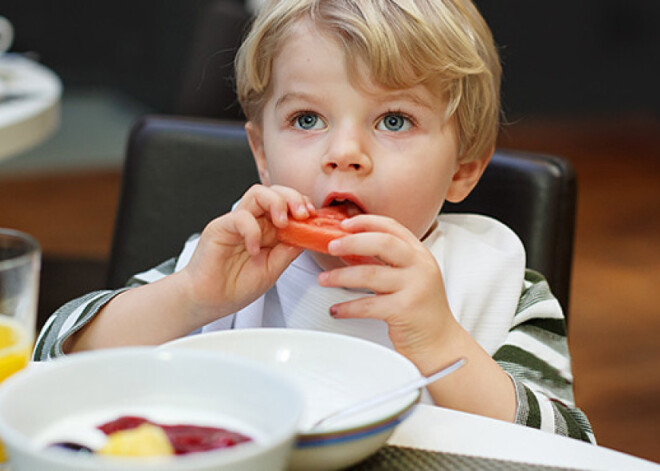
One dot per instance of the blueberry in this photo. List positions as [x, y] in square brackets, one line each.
[71, 446]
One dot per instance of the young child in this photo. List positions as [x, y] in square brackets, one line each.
[388, 108]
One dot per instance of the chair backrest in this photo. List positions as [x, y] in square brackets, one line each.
[180, 173]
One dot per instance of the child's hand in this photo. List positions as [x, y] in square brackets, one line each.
[408, 286]
[238, 257]
[410, 297]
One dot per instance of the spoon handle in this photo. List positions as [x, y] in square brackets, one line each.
[382, 398]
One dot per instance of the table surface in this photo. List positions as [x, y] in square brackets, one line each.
[441, 437]
[29, 103]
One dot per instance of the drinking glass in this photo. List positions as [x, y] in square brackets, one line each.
[20, 262]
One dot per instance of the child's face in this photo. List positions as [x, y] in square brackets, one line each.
[389, 152]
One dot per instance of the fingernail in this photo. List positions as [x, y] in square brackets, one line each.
[333, 245]
[301, 210]
[333, 311]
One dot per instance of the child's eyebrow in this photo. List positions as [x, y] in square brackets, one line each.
[293, 96]
[405, 96]
[383, 97]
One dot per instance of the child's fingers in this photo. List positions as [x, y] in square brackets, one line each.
[377, 278]
[243, 225]
[260, 200]
[380, 307]
[277, 202]
[376, 223]
[299, 205]
[390, 249]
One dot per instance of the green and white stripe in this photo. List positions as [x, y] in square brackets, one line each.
[535, 355]
[75, 314]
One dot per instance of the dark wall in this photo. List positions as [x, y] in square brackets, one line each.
[577, 56]
[560, 57]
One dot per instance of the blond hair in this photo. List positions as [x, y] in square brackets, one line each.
[403, 43]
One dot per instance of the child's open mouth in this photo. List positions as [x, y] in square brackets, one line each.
[350, 205]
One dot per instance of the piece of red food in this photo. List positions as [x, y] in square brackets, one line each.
[315, 232]
[184, 438]
[192, 438]
[125, 422]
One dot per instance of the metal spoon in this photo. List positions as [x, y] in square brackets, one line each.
[384, 397]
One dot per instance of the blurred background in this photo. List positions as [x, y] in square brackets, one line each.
[580, 81]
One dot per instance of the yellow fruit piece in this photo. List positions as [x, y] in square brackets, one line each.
[15, 351]
[13, 362]
[15, 347]
[145, 440]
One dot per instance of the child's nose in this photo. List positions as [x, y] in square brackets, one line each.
[347, 152]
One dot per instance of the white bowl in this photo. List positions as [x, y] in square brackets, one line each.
[180, 386]
[333, 371]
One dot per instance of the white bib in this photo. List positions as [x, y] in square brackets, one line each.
[482, 262]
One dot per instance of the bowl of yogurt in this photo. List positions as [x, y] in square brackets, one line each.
[133, 409]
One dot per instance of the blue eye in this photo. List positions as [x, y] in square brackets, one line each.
[308, 121]
[394, 122]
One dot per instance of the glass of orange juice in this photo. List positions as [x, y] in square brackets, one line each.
[20, 262]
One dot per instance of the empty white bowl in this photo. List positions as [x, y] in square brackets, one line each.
[333, 371]
[164, 386]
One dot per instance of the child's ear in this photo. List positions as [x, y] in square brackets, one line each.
[467, 176]
[256, 140]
